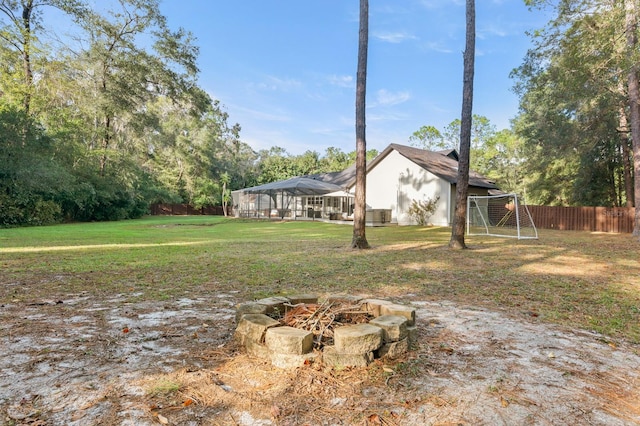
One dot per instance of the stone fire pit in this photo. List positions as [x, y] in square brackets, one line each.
[341, 331]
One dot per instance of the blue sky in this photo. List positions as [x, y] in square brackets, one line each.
[285, 69]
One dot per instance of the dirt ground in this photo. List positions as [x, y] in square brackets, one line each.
[81, 361]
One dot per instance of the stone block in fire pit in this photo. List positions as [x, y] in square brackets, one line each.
[331, 356]
[289, 361]
[275, 304]
[303, 298]
[357, 339]
[249, 308]
[394, 327]
[289, 340]
[394, 350]
[256, 349]
[400, 310]
[252, 328]
[373, 305]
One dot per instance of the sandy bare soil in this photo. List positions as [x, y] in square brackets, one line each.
[80, 361]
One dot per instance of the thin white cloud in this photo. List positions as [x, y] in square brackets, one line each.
[341, 81]
[491, 30]
[436, 108]
[396, 37]
[323, 130]
[275, 84]
[387, 117]
[437, 47]
[335, 135]
[387, 98]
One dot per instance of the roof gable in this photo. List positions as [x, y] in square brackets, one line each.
[451, 153]
[443, 164]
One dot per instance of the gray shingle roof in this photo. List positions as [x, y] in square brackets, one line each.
[342, 178]
[440, 164]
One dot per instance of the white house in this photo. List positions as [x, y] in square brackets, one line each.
[396, 177]
[401, 174]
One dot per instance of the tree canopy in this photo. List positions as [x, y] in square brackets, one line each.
[574, 103]
[99, 124]
[494, 154]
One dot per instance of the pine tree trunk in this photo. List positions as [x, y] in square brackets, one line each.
[359, 216]
[106, 137]
[27, 9]
[462, 184]
[627, 159]
[224, 198]
[631, 21]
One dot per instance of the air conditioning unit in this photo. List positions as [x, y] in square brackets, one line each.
[378, 217]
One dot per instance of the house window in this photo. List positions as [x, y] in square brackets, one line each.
[314, 201]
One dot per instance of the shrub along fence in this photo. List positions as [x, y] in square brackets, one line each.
[594, 219]
[186, 209]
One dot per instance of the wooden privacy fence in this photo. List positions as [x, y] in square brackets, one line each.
[595, 219]
[186, 209]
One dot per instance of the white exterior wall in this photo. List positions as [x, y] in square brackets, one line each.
[396, 181]
[452, 210]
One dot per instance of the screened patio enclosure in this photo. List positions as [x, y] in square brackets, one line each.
[294, 198]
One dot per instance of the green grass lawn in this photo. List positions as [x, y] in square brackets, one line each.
[583, 280]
